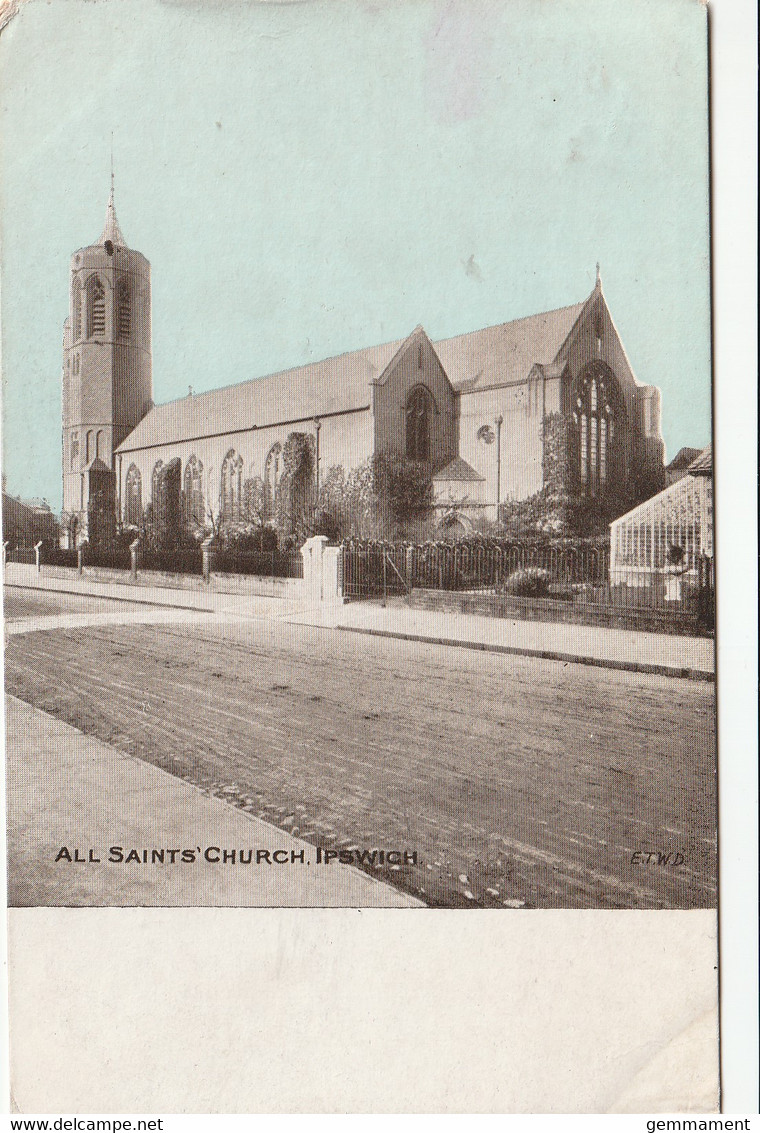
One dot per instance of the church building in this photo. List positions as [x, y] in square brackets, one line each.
[492, 416]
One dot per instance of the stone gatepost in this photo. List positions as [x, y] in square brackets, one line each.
[80, 555]
[322, 570]
[312, 553]
[332, 574]
[37, 550]
[134, 551]
[6, 545]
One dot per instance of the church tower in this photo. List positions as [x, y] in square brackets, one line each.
[107, 374]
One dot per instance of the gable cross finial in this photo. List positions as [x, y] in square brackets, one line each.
[112, 164]
[598, 275]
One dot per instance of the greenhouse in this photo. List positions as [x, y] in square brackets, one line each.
[672, 533]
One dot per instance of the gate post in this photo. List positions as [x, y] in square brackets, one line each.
[133, 552]
[312, 555]
[6, 545]
[409, 572]
[332, 574]
[37, 549]
[208, 554]
[80, 556]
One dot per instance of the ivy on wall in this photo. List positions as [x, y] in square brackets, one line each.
[295, 491]
[379, 499]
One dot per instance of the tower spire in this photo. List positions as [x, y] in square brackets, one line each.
[111, 231]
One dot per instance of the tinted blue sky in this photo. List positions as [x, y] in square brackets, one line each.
[309, 178]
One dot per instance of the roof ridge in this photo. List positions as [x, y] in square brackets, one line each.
[511, 322]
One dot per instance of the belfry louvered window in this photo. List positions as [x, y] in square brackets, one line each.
[96, 308]
[123, 308]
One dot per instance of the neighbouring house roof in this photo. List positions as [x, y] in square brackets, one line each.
[458, 470]
[682, 459]
[703, 465]
[506, 353]
[494, 356]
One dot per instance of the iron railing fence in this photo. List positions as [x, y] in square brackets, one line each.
[185, 561]
[20, 555]
[373, 570]
[463, 566]
[111, 559]
[265, 564]
[577, 576]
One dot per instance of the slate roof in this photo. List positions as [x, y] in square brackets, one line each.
[494, 356]
[458, 470]
[332, 386]
[505, 353]
[703, 465]
[682, 459]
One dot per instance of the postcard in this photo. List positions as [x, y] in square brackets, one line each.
[358, 551]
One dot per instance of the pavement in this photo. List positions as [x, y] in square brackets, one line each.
[84, 817]
[629, 650]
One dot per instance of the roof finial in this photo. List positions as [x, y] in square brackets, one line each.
[598, 275]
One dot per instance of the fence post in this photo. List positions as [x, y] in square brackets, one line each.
[207, 549]
[409, 571]
[134, 549]
[37, 549]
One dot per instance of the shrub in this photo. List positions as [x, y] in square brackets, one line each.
[530, 582]
[248, 539]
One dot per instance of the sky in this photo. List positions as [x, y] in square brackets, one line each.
[309, 178]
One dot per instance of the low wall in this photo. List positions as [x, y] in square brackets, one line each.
[217, 584]
[556, 610]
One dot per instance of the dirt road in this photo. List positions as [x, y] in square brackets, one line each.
[514, 780]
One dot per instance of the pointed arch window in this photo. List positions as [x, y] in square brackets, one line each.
[598, 415]
[100, 445]
[123, 308]
[193, 494]
[418, 413]
[90, 446]
[76, 309]
[74, 449]
[156, 481]
[272, 474]
[232, 488]
[96, 307]
[133, 497]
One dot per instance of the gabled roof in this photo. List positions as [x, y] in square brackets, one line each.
[703, 465]
[336, 385]
[98, 465]
[458, 470]
[682, 459]
[495, 356]
[505, 353]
